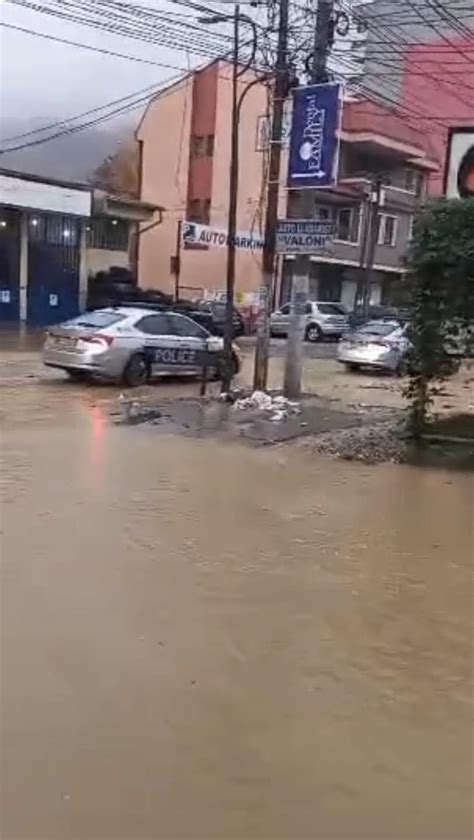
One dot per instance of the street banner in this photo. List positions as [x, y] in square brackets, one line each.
[459, 171]
[303, 236]
[314, 139]
[194, 233]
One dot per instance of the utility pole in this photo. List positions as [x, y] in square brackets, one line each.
[232, 217]
[372, 237]
[237, 71]
[300, 280]
[176, 260]
[280, 92]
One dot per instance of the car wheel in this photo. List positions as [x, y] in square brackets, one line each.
[402, 368]
[352, 366]
[136, 371]
[219, 373]
[313, 333]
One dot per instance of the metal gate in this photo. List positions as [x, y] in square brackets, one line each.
[9, 266]
[53, 269]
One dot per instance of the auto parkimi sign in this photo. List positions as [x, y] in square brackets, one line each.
[194, 233]
[303, 236]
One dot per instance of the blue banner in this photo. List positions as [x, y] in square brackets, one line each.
[314, 139]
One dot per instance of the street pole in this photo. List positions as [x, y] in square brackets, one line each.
[236, 18]
[280, 91]
[176, 260]
[372, 237]
[300, 279]
[232, 217]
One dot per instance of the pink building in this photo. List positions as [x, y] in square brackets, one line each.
[437, 87]
[185, 155]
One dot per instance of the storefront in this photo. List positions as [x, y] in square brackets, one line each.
[42, 245]
[338, 282]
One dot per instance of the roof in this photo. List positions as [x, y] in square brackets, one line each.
[38, 179]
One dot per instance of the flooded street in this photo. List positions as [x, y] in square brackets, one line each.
[204, 640]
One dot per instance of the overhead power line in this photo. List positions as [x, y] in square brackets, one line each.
[92, 48]
[124, 106]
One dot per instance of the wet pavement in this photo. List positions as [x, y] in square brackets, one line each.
[205, 640]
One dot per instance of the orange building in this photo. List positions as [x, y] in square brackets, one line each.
[185, 157]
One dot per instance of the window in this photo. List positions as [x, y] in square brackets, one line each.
[154, 325]
[202, 145]
[194, 210]
[108, 234]
[379, 328]
[285, 310]
[198, 146]
[324, 214]
[96, 320]
[199, 210]
[348, 225]
[210, 145]
[183, 326]
[413, 181]
[387, 230]
[53, 229]
[411, 225]
[331, 309]
[409, 180]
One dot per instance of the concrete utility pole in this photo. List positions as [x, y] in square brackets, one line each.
[232, 218]
[300, 281]
[237, 71]
[372, 237]
[280, 93]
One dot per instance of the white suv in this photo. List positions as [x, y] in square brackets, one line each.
[323, 320]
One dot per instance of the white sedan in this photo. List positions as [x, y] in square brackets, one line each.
[380, 345]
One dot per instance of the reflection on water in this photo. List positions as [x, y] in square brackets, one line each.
[206, 641]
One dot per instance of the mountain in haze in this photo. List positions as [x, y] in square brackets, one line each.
[72, 157]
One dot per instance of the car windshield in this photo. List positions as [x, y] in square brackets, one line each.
[378, 328]
[97, 320]
[331, 309]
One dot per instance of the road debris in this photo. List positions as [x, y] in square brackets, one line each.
[278, 406]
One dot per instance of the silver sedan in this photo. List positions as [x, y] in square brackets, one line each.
[132, 344]
[380, 345]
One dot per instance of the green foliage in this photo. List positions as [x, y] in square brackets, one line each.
[441, 285]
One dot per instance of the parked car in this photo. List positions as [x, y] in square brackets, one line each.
[380, 345]
[376, 313]
[133, 344]
[323, 320]
[216, 310]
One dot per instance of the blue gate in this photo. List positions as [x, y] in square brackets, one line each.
[9, 266]
[53, 269]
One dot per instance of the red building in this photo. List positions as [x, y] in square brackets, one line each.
[437, 92]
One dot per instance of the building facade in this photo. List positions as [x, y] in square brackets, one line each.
[184, 138]
[185, 151]
[54, 235]
[419, 55]
[375, 142]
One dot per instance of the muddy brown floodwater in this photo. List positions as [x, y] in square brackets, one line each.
[202, 640]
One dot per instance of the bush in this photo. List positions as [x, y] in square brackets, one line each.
[441, 286]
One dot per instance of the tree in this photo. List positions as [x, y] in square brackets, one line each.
[441, 282]
[118, 173]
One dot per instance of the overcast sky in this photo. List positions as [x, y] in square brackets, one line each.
[43, 79]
